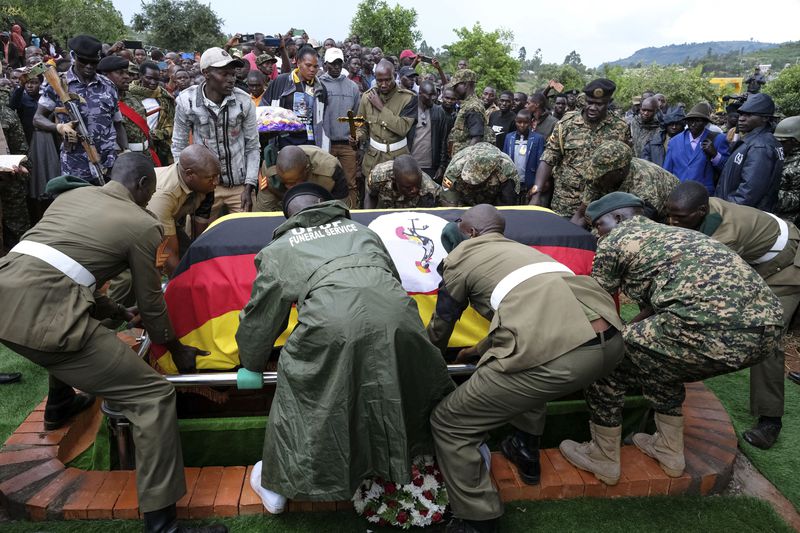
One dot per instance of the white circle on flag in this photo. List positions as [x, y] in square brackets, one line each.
[413, 239]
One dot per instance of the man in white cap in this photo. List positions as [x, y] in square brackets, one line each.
[223, 118]
[343, 96]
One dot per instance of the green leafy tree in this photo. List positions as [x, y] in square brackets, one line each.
[66, 18]
[573, 59]
[785, 90]
[489, 55]
[567, 75]
[678, 84]
[391, 28]
[179, 24]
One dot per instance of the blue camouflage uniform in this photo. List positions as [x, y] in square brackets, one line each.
[100, 111]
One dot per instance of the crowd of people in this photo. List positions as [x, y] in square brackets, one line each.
[696, 225]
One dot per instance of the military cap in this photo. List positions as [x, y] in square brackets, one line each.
[462, 76]
[86, 47]
[610, 155]
[265, 58]
[600, 88]
[758, 104]
[611, 202]
[112, 63]
[408, 72]
[573, 92]
[305, 189]
[636, 100]
[788, 128]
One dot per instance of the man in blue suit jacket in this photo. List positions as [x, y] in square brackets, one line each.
[697, 154]
[524, 147]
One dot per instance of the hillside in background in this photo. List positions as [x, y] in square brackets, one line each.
[676, 54]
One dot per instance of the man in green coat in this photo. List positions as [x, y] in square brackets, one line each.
[357, 378]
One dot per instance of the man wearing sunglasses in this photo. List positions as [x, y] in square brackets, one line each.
[99, 107]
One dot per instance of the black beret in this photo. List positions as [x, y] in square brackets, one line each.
[112, 63]
[600, 88]
[573, 92]
[758, 104]
[611, 202]
[86, 46]
[305, 188]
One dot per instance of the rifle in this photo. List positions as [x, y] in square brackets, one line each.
[72, 107]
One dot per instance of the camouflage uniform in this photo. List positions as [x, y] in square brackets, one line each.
[381, 183]
[100, 111]
[478, 175]
[135, 135]
[788, 206]
[460, 134]
[646, 180]
[161, 135]
[569, 151]
[14, 221]
[703, 325]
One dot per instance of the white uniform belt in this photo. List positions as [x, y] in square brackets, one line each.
[386, 147]
[138, 147]
[508, 283]
[780, 242]
[58, 260]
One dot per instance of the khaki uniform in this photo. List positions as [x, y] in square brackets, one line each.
[56, 322]
[751, 233]
[527, 359]
[381, 184]
[388, 126]
[569, 152]
[326, 171]
[172, 200]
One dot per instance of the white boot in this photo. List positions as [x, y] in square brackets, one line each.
[273, 502]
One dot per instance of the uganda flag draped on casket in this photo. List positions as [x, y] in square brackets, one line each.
[213, 280]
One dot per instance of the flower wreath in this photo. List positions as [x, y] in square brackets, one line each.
[420, 503]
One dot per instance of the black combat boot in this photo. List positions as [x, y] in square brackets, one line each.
[166, 521]
[522, 449]
[765, 433]
[63, 403]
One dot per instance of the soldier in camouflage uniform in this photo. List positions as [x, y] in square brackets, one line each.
[98, 107]
[480, 174]
[613, 168]
[14, 220]
[692, 326]
[400, 184]
[788, 134]
[569, 149]
[160, 107]
[472, 122]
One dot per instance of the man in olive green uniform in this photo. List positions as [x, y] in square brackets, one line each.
[400, 184]
[527, 359]
[472, 122]
[480, 174]
[613, 168]
[298, 164]
[696, 322]
[49, 283]
[358, 377]
[14, 220]
[569, 149]
[770, 245]
[389, 113]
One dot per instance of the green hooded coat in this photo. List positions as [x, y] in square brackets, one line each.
[358, 377]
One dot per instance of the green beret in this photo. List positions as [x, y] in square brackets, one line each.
[611, 202]
[600, 88]
[610, 155]
[462, 76]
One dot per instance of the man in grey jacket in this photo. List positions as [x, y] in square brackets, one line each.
[223, 118]
[343, 96]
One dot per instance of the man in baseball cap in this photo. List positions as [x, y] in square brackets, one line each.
[407, 58]
[216, 57]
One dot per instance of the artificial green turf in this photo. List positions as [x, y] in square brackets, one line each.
[657, 515]
[19, 399]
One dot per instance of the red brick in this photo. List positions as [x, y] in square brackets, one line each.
[345, 505]
[102, 505]
[249, 501]
[680, 485]
[571, 479]
[501, 467]
[81, 433]
[37, 473]
[49, 438]
[632, 461]
[299, 507]
[592, 487]
[621, 489]
[511, 490]
[226, 502]
[36, 416]
[75, 506]
[659, 480]
[706, 414]
[66, 481]
[37, 453]
[41, 405]
[721, 456]
[191, 474]
[202, 503]
[550, 483]
[324, 507]
[127, 506]
[30, 427]
[703, 470]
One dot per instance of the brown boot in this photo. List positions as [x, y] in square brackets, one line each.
[600, 456]
[665, 445]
